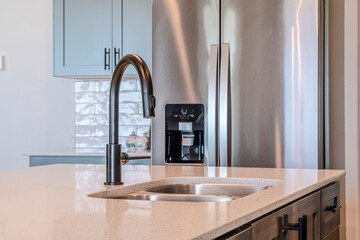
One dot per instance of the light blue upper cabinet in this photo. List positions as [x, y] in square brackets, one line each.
[82, 34]
[90, 36]
[137, 30]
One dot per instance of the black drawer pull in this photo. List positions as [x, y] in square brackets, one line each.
[116, 59]
[301, 227]
[333, 209]
[106, 59]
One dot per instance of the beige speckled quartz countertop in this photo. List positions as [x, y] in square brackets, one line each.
[51, 202]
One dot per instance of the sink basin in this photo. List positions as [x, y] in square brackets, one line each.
[228, 190]
[172, 197]
[188, 189]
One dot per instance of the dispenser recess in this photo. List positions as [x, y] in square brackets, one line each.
[184, 132]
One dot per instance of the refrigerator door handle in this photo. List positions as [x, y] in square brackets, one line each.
[224, 107]
[212, 158]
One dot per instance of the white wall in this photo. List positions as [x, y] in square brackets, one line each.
[36, 109]
[352, 120]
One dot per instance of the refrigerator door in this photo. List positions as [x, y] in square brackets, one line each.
[184, 63]
[273, 83]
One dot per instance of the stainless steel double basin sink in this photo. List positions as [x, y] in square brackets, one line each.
[184, 192]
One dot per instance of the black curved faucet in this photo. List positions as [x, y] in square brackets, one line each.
[113, 149]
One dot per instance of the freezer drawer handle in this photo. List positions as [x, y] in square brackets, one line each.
[301, 227]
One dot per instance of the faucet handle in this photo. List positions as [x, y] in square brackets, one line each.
[124, 158]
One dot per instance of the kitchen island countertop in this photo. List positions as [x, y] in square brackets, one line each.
[51, 202]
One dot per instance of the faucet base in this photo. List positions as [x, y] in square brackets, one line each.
[113, 183]
[113, 164]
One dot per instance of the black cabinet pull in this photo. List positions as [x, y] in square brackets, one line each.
[116, 53]
[301, 227]
[333, 209]
[107, 58]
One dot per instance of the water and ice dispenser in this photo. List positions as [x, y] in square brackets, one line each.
[184, 130]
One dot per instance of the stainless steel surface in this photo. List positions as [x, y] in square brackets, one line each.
[212, 134]
[183, 31]
[192, 192]
[274, 52]
[274, 116]
[229, 190]
[173, 197]
[225, 107]
[113, 149]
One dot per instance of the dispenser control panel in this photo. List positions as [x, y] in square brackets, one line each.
[184, 133]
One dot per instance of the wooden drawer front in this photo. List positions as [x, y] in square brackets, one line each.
[335, 235]
[330, 220]
[330, 224]
[269, 227]
[309, 207]
[242, 233]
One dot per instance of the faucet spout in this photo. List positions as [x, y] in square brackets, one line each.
[113, 149]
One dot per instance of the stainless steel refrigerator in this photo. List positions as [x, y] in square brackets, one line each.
[257, 68]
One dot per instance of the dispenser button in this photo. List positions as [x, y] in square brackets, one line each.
[185, 126]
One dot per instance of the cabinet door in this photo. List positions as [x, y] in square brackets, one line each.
[309, 208]
[285, 223]
[271, 226]
[137, 31]
[82, 34]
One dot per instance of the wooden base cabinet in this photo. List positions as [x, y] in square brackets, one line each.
[313, 217]
[299, 221]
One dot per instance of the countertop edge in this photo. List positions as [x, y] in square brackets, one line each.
[219, 231]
